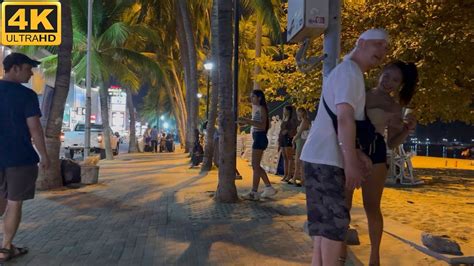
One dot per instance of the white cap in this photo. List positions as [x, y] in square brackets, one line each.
[372, 34]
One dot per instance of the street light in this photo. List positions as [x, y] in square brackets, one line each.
[208, 66]
[199, 95]
[87, 124]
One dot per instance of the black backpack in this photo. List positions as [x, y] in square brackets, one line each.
[365, 131]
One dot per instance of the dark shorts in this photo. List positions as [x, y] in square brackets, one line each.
[328, 215]
[379, 150]
[260, 140]
[286, 141]
[18, 183]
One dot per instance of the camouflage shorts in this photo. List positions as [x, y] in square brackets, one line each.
[328, 215]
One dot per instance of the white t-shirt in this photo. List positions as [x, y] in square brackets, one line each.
[345, 84]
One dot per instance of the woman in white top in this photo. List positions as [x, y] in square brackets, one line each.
[260, 124]
[298, 142]
[384, 105]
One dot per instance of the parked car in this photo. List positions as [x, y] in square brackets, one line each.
[73, 141]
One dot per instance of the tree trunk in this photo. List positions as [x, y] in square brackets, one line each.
[193, 75]
[184, 58]
[104, 112]
[178, 92]
[211, 128]
[132, 136]
[258, 52]
[52, 177]
[226, 190]
[177, 111]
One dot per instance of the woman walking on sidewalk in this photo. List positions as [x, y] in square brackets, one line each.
[298, 142]
[384, 103]
[260, 125]
[285, 141]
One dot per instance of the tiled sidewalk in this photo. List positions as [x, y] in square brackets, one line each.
[151, 209]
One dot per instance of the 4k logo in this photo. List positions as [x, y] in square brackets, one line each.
[31, 23]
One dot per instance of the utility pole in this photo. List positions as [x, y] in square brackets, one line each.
[332, 38]
[87, 135]
[236, 71]
[207, 95]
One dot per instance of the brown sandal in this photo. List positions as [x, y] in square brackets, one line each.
[19, 252]
[8, 255]
[13, 252]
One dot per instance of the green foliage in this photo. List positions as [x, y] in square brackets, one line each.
[112, 55]
[281, 77]
[436, 35]
[155, 104]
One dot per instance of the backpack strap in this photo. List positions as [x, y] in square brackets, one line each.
[331, 115]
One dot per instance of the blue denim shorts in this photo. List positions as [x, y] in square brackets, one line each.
[260, 140]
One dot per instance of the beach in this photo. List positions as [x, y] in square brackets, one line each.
[444, 205]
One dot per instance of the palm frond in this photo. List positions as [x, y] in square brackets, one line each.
[114, 36]
[138, 60]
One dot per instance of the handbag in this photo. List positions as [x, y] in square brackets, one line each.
[365, 131]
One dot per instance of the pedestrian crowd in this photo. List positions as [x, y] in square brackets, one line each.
[156, 141]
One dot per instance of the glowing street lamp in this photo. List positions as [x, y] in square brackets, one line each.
[208, 66]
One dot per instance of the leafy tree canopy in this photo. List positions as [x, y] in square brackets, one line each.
[435, 35]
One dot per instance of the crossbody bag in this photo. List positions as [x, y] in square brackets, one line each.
[365, 131]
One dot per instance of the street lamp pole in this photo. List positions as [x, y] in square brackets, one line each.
[207, 95]
[236, 77]
[208, 66]
[87, 135]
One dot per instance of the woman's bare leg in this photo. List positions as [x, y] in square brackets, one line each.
[291, 161]
[258, 171]
[285, 164]
[372, 196]
[298, 169]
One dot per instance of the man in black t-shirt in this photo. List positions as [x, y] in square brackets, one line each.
[19, 126]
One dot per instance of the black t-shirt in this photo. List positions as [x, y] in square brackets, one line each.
[17, 103]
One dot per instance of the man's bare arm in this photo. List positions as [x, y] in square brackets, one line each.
[36, 132]
[346, 136]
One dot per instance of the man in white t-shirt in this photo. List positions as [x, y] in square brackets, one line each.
[332, 162]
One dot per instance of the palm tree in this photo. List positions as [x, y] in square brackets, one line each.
[267, 12]
[132, 137]
[189, 57]
[156, 103]
[52, 177]
[111, 56]
[226, 190]
[182, 29]
[209, 147]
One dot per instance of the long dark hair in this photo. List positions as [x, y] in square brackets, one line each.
[410, 80]
[304, 111]
[263, 103]
[292, 117]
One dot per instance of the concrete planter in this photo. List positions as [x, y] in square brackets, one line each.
[89, 174]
